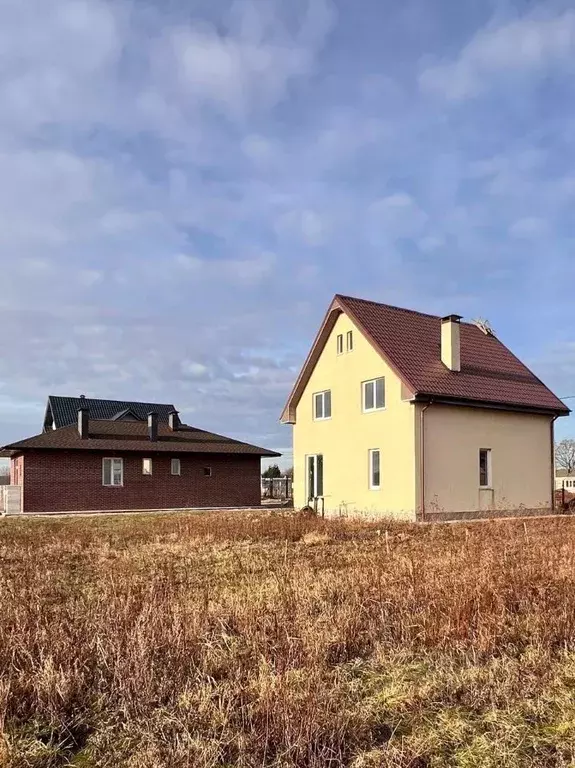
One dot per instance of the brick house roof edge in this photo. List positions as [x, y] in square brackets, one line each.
[132, 436]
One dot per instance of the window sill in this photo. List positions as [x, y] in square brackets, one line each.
[112, 486]
[322, 418]
[486, 488]
[376, 489]
[373, 410]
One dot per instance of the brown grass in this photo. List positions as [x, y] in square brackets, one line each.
[234, 640]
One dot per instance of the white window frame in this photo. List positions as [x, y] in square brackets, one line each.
[371, 454]
[112, 460]
[322, 394]
[178, 465]
[349, 341]
[489, 483]
[317, 459]
[147, 466]
[339, 344]
[364, 385]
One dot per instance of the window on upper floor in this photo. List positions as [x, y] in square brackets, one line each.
[322, 405]
[146, 466]
[349, 341]
[340, 344]
[175, 467]
[373, 395]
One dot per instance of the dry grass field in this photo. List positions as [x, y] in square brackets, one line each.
[236, 640]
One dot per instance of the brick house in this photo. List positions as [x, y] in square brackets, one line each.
[121, 461]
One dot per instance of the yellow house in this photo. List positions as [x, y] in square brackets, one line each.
[400, 413]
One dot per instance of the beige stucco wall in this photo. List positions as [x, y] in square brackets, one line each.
[520, 444]
[346, 438]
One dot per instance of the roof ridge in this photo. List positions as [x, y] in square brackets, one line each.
[107, 400]
[394, 306]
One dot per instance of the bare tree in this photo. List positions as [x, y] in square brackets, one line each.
[565, 455]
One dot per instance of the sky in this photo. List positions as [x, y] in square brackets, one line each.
[185, 185]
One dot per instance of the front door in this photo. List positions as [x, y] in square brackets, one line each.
[314, 476]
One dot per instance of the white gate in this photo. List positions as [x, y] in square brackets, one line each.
[10, 499]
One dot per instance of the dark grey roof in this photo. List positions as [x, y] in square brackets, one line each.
[564, 473]
[63, 411]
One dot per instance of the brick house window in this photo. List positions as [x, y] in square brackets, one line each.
[176, 467]
[208, 471]
[113, 472]
[146, 466]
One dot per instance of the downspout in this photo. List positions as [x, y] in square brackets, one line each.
[552, 425]
[422, 458]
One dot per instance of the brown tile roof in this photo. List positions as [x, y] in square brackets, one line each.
[411, 343]
[132, 436]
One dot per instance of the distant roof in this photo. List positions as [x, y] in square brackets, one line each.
[410, 342]
[132, 436]
[62, 411]
[563, 473]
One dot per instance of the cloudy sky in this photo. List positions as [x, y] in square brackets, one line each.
[185, 185]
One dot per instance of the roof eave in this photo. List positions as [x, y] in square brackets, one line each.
[424, 397]
[338, 306]
[335, 309]
[12, 450]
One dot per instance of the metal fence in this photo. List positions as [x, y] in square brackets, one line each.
[280, 488]
[10, 499]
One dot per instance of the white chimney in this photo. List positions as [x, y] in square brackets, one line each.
[83, 422]
[450, 342]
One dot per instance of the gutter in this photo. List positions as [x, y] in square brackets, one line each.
[422, 458]
[489, 404]
[552, 427]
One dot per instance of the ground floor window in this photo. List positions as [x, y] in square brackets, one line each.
[314, 476]
[485, 468]
[112, 472]
[374, 469]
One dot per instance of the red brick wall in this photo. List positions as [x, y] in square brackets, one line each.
[65, 481]
[16, 470]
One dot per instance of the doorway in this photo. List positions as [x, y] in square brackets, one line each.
[314, 476]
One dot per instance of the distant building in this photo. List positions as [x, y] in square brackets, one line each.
[106, 455]
[564, 479]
